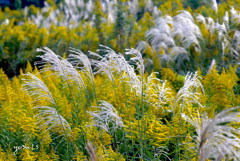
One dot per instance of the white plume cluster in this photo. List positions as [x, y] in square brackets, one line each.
[82, 62]
[216, 138]
[167, 29]
[188, 32]
[173, 36]
[190, 92]
[107, 117]
[176, 37]
[115, 66]
[36, 88]
[70, 12]
[48, 118]
[161, 36]
[157, 89]
[61, 67]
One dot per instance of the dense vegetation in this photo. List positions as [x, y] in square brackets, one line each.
[124, 80]
[166, 35]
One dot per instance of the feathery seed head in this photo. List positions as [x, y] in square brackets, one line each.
[81, 59]
[35, 87]
[191, 90]
[107, 118]
[61, 67]
[50, 118]
[216, 139]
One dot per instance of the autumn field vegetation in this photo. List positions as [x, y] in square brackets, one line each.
[104, 80]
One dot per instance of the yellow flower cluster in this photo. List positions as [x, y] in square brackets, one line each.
[150, 129]
[219, 89]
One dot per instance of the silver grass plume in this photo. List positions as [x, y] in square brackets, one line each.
[190, 92]
[132, 78]
[157, 89]
[48, 117]
[222, 30]
[107, 117]
[115, 66]
[213, 64]
[207, 21]
[201, 19]
[136, 81]
[36, 88]
[106, 64]
[78, 58]
[61, 67]
[162, 150]
[215, 5]
[179, 55]
[188, 32]
[235, 49]
[141, 46]
[216, 139]
[226, 19]
[161, 36]
[137, 58]
[168, 31]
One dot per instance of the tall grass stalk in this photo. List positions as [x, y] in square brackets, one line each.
[188, 94]
[48, 117]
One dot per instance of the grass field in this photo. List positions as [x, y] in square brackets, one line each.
[128, 80]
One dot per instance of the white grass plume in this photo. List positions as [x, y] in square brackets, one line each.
[91, 151]
[137, 58]
[188, 32]
[107, 64]
[157, 89]
[36, 88]
[161, 36]
[107, 118]
[179, 55]
[81, 59]
[141, 46]
[216, 139]
[235, 16]
[226, 19]
[235, 49]
[48, 117]
[190, 92]
[212, 65]
[201, 19]
[175, 36]
[215, 5]
[115, 66]
[61, 67]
